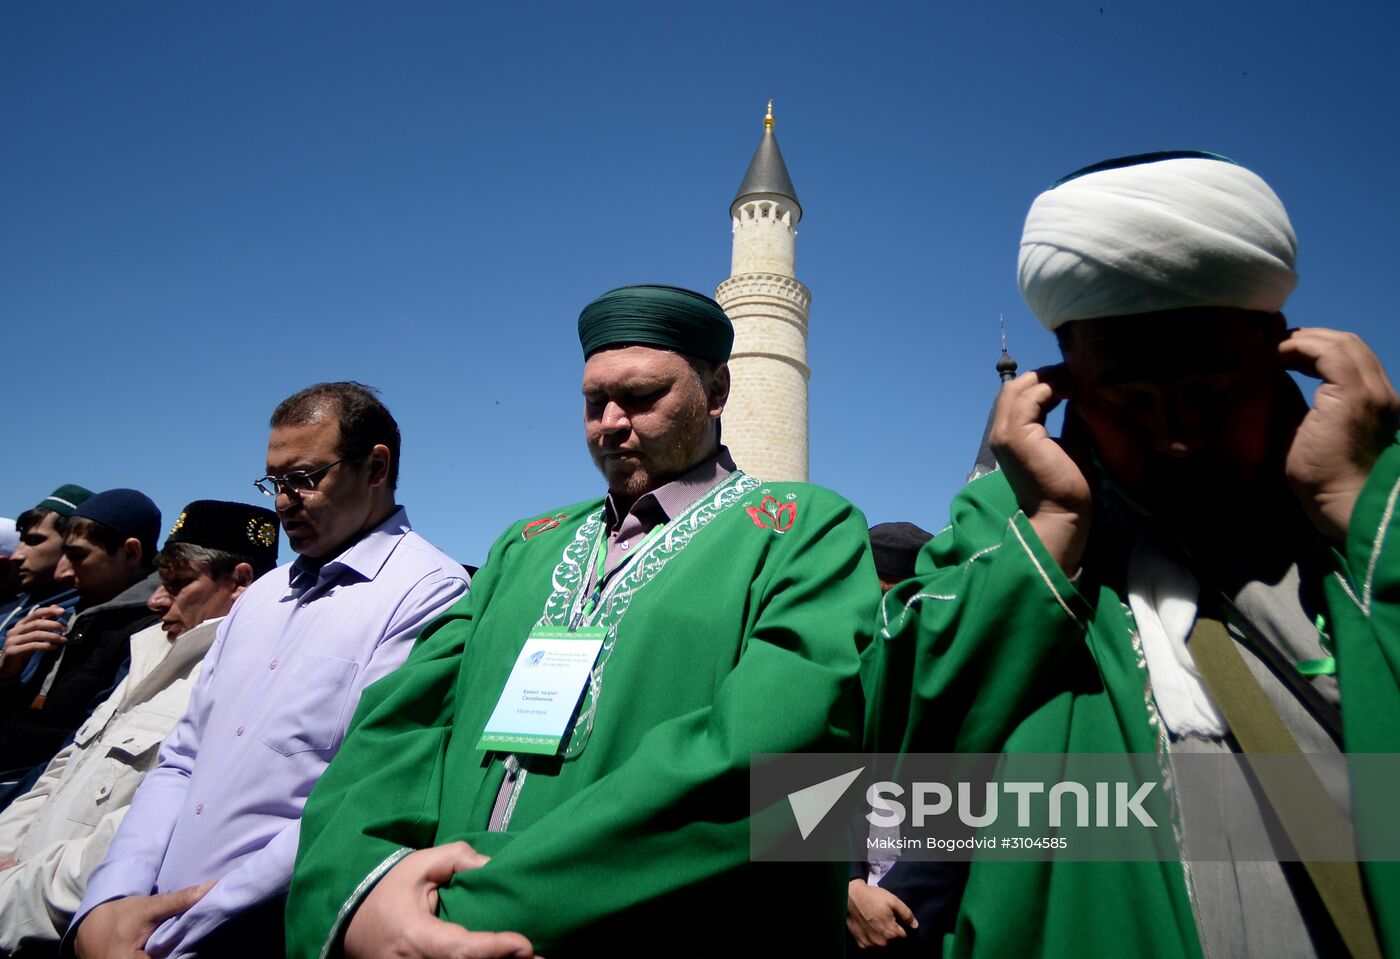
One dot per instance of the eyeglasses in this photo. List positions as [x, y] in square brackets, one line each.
[294, 483]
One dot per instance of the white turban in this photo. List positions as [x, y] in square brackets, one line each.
[1162, 234]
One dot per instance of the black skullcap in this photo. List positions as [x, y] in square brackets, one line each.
[896, 545]
[128, 511]
[666, 317]
[236, 528]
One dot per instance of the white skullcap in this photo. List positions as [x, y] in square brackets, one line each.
[9, 537]
[1156, 232]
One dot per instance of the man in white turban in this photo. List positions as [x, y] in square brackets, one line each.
[1199, 557]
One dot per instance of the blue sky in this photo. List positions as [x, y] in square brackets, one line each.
[206, 207]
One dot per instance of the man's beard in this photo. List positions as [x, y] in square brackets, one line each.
[646, 475]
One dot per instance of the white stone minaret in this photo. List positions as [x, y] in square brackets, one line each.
[765, 423]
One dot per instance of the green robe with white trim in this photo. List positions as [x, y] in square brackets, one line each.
[991, 648]
[741, 634]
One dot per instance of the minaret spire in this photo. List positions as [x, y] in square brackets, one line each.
[986, 461]
[767, 177]
[765, 422]
[1006, 366]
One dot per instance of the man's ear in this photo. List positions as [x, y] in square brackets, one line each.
[378, 463]
[242, 576]
[717, 390]
[1064, 336]
[130, 551]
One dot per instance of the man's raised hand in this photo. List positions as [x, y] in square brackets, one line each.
[1050, 486]
[39, 631]
[1352, 421]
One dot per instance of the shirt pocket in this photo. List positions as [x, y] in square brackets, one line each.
[310, 706]
[89, 731]
[127, 753]
[132, 742]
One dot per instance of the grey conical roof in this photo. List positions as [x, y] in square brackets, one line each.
[767, 174]
[986, 461]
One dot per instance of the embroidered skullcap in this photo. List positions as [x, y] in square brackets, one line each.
[65, 499]
[666, 317]
[236, 528]
[128, 511]
[1159, 231]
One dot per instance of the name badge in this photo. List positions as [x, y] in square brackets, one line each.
[543, 690]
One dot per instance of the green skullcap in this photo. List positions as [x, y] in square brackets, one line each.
[665, 317]
[65, 499]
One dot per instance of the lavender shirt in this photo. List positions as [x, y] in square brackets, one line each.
[277, 691]
[625, 532]
[651, 510]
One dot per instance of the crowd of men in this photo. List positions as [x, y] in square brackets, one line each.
[204, 755]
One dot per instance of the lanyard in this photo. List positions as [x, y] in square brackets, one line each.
[600, 580]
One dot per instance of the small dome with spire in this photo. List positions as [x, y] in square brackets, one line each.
[1006, 366]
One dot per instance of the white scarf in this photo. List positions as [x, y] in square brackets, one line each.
[1163, 596]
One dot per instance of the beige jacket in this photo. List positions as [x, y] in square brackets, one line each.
[59, 830]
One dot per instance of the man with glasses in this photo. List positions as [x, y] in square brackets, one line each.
[203, 860]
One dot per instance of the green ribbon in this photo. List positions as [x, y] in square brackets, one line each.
[1327, 665]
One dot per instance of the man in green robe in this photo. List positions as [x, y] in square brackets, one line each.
[1061, 610]
[731, 614]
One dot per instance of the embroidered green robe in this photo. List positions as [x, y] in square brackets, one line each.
[992, 649]
[736, 632]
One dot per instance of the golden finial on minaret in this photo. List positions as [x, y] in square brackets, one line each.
[768, 120]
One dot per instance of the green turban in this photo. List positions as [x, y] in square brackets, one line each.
[665, 317]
